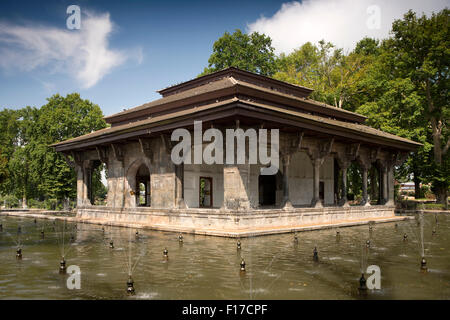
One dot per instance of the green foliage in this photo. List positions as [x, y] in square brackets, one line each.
[407, 93]
[324, 68]
[34, 169]
[9, 201]
[252, 52]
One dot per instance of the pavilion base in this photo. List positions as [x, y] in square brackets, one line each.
[230, 223]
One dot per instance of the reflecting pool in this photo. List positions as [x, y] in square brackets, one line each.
[206, 267]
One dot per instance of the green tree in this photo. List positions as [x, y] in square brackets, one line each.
[407, 94]
[420, 51]
[22, 179]
[8, 136]
[324, 68]
[252, 52]
[29, 167]
[60, 119]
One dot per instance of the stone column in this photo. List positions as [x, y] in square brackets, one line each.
[344, 166]
[286, 161]
[365, 199]
[179, 176]
[235, 185]
[80, 184]
[384, 184]
[316, 202]
[87, 182]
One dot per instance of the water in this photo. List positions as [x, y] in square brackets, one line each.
[204, 267]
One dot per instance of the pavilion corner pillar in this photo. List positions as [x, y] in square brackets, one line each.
[344, 167]
[235, 185]
[179, 188]
[286, 201]
[390, 185]
[384, 183]
[365, 199]
[80, 184]
[316, 202]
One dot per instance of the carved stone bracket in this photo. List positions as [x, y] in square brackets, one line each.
[102, 154]
[320, 151]
[146, 147]
[396, 159]
[167, 143]
[117, 152]
[375, 154]
[349, 154]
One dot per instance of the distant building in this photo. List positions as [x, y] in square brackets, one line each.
[407, 187]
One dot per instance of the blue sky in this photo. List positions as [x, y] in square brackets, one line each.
[125, 50]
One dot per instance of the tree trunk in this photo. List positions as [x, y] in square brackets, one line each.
[436, 127]
[24, 201]
[417, 191]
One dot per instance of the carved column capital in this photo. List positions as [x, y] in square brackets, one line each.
[118, 153]
[102, 153]
[145, 145]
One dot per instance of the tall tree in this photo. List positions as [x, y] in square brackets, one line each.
[333, 75]
[419, 51]
[33, 169]
[22, 179]
[60, 119]
[252, 52]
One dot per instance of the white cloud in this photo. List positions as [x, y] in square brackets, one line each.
[342, 22]
[83, 54]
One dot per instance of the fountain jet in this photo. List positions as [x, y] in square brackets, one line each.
[62, 266]
[19, 254]
[362, 285]
[243, 265]
[423, 265]
[315, 255]
[130, 286]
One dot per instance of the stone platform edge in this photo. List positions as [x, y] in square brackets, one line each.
[250, 232]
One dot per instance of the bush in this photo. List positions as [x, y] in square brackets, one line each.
[51, 204]
[9, 201]
[34, 203]
[434, 206]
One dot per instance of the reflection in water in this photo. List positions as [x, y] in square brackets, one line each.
[203, 267]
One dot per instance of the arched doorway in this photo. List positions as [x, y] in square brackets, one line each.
[142, 188]
[267, 185]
